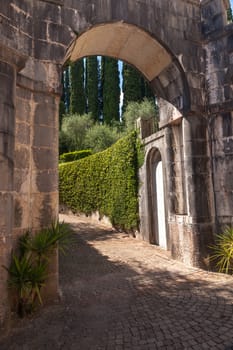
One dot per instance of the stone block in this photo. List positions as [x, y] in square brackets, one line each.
[45, 136]
[6, 214]
[50, 292]
[59, 33]
[22, 157]
[7, 143]
[196, 148]
[46, 181]
[224, 203]
[41, 29]
[22, 211]
[23, 110]
[22, 181]
[23, 93]
[52, 52]
[201, 165]
[50, 11]
[22, 133]
[45, 158]
[22, 15]
[46, 114]
[44, 209]
[6, 166]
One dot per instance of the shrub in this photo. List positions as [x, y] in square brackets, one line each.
[28, 270]
[106, 181]
[100, 137]
[223, 251]
[144, 110]
[73, 131]
[76, 155]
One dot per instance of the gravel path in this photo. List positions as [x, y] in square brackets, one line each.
[119, 293]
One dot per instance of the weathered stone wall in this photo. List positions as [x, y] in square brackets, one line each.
[219, 83]
[10, 63]
[195, 144]
[184, 150]
[154, 151]
[7, 77]
[44, 30]
[177, 29]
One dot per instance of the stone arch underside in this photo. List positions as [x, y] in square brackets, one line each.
[140, 49]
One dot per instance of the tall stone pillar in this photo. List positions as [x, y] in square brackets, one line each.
[199, 227]
[10, 63]
[168, 150]
[36, 154]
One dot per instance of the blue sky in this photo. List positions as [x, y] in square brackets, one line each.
[231, 1]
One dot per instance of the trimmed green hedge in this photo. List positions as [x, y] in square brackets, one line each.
[76, 155]
[106, 181]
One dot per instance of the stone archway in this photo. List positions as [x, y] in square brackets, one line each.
[181, 47]
[139, 48]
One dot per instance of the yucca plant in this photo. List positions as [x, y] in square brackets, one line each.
[23, 244]
[41, 245]
[62, 235]
[29, 270]
[38, 276]
[223, 251]
[26, 279]
[46, 240]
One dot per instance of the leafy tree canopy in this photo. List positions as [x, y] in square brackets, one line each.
[99, 137]
[134, 110]
[73, 130]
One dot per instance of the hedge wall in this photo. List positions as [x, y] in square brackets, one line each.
[106, 181]
[76, 155]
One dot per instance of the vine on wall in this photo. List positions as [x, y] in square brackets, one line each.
[106, 182]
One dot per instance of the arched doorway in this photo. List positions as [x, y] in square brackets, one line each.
[157, 199]
[159, 193]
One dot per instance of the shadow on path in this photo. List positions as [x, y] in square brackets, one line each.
[119, 293]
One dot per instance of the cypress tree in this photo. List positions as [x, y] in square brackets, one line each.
[135, 87]
[77, 91]
[146, 90]
[92, 84]
[132, 85]
[110, 90]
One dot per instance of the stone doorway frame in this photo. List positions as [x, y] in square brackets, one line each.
[153, 158]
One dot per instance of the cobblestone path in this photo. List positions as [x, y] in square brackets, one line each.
[119, 293]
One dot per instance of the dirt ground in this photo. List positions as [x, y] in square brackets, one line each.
[119, 293]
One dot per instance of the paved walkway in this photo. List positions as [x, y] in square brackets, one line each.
[123, 294]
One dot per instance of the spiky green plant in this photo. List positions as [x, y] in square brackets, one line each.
[23, 244]
[47, 239]
[26, 279]
[62, 234]
[38, 276]
[28, 271]
[223, 251]
[42, 244]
